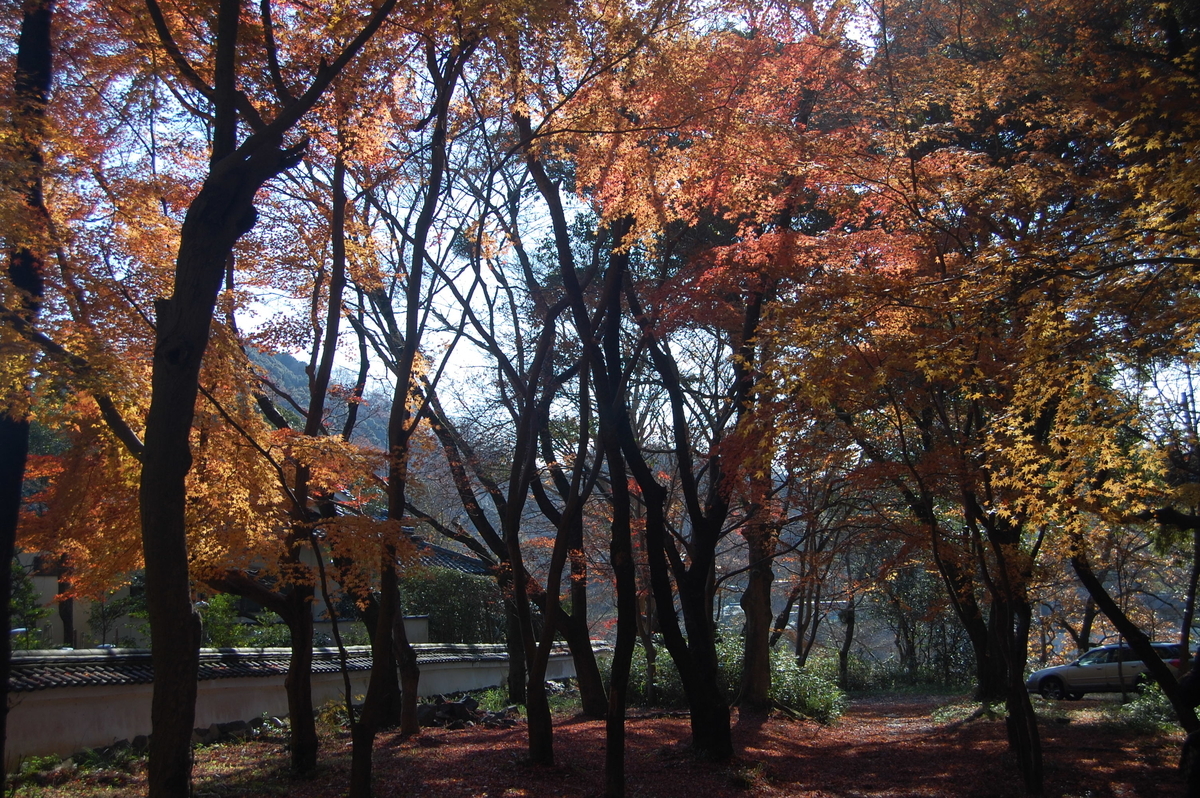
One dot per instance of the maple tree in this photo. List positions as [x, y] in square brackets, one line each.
[217, 216]
[967, 365]
[741, 273]
[25, 245]
[682, 198]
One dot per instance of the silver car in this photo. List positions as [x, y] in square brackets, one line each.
[1108, 669]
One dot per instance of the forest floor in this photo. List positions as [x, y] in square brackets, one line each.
[885, 746]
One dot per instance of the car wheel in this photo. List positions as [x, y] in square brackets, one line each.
[1053, 688]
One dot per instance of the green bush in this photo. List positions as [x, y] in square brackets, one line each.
[493, 699]
[37, 764]
[807, 691]
[890, 674]
[462, 608]
[223, 627]
[803, 690]
[668, 688]
[1150, 712]
[122, 758]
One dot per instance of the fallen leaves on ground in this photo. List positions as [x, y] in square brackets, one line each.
[885, 747]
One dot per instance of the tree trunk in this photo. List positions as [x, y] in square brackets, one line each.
[1139, 642]
[592, 695]
[35, 70]
[391, 705]
[712, 737]
[587, 671]
[221, 212]
[516, 654]
[14, 448]
[537, 705]
[781, 620]
[298, 683]
[991, 676]
[405, 657]
[844, 651]
[620, 553]
[808, 622]
[1023, 737]
[364, 729]
[646, 632]
[1189, 610]
[754, 694]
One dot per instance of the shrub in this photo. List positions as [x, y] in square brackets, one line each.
[114, 758]
[668, 688]
[803, 690]
[224, 626]
[493, 699]
[462, 608]
[36, 764]
[1150, 712]
[890, 674]
[807, 691]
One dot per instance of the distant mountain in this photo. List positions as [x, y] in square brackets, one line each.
[287, 374]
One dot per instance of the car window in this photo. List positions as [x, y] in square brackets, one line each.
[1096, 656]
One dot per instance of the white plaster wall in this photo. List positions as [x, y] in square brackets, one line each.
[63, 720]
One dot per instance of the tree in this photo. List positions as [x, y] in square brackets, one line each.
[219, 214]
[26, 246]
[708, 232]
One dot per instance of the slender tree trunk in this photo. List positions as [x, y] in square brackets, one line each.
[592, 695]
[991, 675]
[392, 703]
[587, 671]
[1139, 642]
[221, 212]
[1024, 739]
[66, 612]
[364, 729]
[808, 621]
[14, 447]
[844, 651]
[35, 70]
[991, 665]
[781, 620]
[537, 704]
[515, 644]
[646, 624]
[1189, 610]
[621, 556]
[298, 683]
[405, 657]
[712, 737]
[755, 691]
[1084, 642]
[621, 535]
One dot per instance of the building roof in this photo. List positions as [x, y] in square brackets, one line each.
[441, 557]
[40, 670]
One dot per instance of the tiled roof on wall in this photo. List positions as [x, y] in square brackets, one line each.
[39, 670]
